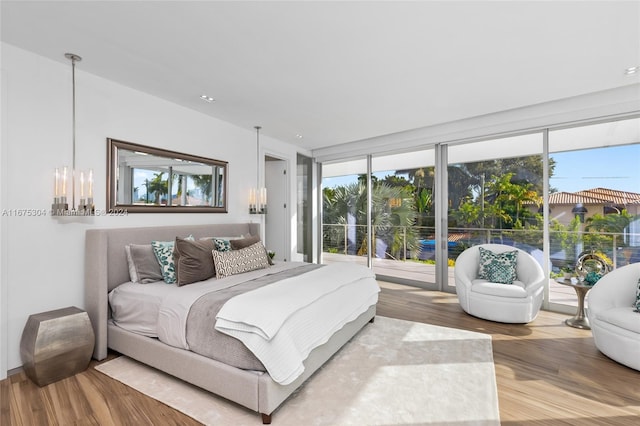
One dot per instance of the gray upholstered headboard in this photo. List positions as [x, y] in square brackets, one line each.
[106, 263]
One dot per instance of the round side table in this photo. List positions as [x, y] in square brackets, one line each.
[579, 320]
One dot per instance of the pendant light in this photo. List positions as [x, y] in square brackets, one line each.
[81, 181]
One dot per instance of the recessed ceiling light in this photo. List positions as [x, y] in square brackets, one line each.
[632, 70]
[299, 136]
[207, 98]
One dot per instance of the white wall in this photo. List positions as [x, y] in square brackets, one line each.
[43, 265]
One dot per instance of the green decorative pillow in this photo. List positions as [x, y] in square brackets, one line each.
[222, 244]
[637, 304]
[498, 267]
[164, 253]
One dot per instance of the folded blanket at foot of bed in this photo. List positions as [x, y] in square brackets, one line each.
[283, 322]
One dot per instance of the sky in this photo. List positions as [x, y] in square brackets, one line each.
[616, 167]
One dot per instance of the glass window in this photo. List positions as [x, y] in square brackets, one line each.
[403, 216]
[594, 199]
[495, 195]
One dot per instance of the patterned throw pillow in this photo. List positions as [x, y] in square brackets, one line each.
[222, 244]
[498, 267]
[233, 262]
[637, 304]
[164, 253]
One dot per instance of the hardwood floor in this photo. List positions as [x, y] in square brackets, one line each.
[88, 398]
[547, 374]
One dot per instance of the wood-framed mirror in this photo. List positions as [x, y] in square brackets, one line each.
[143, 179]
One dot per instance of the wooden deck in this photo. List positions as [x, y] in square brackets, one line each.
[426, 273]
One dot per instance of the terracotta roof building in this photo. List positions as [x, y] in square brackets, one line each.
[564, 206]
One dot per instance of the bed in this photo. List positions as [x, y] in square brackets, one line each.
[106, 268]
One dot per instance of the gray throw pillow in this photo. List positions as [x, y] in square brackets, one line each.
[247, 241]
[244, 242]
[143, 265]
[193, 261]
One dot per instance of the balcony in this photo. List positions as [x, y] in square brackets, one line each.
[426, 273]
[398, 257]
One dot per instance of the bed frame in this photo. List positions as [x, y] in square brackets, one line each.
[106, 268]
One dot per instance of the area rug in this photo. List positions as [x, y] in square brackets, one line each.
[393, 372]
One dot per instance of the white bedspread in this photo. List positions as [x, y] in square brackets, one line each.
[283, 322]
[161, 310]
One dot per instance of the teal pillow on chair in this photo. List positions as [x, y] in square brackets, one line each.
[498, 267]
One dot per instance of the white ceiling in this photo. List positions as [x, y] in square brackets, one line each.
[338, 72]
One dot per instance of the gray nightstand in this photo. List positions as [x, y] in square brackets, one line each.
[56, 344]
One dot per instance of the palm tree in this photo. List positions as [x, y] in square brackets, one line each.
[393, 217]
[614, 223]
[507, 199]
[345, 206]
[158, 187]
[602, 231]
[204, 183]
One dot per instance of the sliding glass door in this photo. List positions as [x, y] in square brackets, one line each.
[495, 193]
[554, 193]
[594, 199]
[403, 220]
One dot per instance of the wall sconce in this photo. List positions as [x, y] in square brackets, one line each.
[258, 200]
[62, 176]
[258, 195]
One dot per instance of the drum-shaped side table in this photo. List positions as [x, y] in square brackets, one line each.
[56, 344]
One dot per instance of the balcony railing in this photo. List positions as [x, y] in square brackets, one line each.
[392, 242]
[416, 246]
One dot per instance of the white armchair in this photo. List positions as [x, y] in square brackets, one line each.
[614, 324]
[519, 302]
